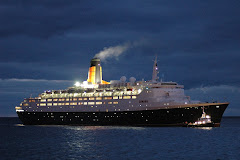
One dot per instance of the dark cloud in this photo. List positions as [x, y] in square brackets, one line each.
[197, 42]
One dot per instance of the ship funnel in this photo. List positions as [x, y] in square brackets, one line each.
[95, 72]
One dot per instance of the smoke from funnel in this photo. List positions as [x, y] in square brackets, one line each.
[114, 51]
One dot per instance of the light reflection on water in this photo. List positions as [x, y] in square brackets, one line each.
[111, 142]
[204, 128]
[19, 125]
[80, 128]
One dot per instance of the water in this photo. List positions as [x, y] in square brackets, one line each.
[117, 143]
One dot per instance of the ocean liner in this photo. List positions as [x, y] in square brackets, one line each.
[134, 103]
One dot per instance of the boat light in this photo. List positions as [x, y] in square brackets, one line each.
[207, 116]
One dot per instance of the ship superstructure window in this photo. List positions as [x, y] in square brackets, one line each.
[79, 99]
[49, 104]
[107, 97]
[73, 103]
[31, 100]
[115, 102]
[66, 103]
[43, 100]
[98, 98]
[85, 99]
[126, 97]
[25, 104]
[49, 100]
[91, 98]
[134, 97]
[97, 103]
[67, 99]
[74, 99]
[85, 103]
[80, 103]
[42, 104]
[55, 99]
[109, 102]
[91, 103]
[115, 97]
[55, 104]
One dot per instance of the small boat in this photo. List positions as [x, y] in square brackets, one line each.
[204, 121]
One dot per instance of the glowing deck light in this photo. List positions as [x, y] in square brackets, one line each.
[77, 84]
[85, 84]
[139, 91]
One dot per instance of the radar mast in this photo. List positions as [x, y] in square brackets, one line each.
[155, 71]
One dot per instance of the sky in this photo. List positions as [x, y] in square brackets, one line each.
[49, 44]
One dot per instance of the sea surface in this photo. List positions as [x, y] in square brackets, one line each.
[118, 143]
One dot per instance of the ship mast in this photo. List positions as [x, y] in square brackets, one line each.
[155, 71]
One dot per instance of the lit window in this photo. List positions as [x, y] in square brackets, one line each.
[120, 97]
[115, 102]
[42, 104]
[90, 103]
[66, 103]
[49, 104]
[91, 98]
[109, 102]
[67, 99]
[85, 99]
[55, 99]
[98, 98]
[97, 103]
[25, 104]
[49, 100]
[85, 103]
[80, 103]
[107, 97]
[134, 97]
[55, 104]
[74, 99]
[126, 97]
[79, 99]
[115, 97]
[43, 100]
[73, 103]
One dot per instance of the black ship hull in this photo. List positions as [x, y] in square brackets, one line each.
[158, 117]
